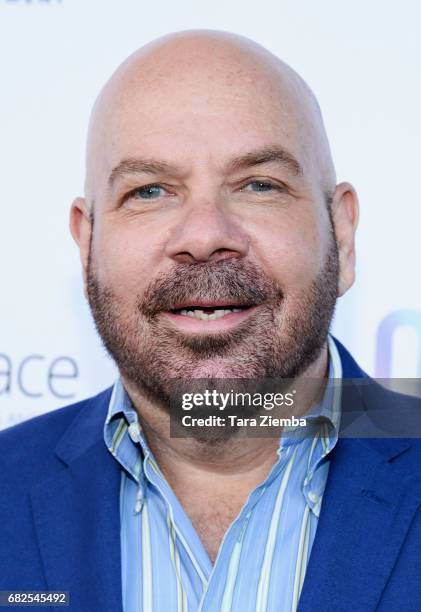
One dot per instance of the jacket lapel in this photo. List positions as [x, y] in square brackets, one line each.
[366, 512]
[77, 517]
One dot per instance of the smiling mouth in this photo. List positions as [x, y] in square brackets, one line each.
[209, 312]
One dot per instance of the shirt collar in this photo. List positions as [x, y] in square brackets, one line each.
[327, 412]
[330, 406]
[122, 432]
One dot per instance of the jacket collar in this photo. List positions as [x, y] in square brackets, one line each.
[86, 429]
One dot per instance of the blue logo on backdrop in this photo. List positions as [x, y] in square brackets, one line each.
[385, 335]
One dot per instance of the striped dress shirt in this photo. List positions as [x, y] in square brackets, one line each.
[263, 556]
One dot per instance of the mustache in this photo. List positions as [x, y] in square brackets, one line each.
[229, 280]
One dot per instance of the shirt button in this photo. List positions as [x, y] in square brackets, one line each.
[313, 497]
[134, 432]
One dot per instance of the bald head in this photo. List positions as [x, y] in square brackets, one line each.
[187, 81]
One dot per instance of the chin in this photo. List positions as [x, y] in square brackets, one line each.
[218, 368]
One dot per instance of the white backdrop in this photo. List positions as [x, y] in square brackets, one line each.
[363, 60]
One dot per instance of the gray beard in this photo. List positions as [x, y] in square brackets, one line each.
[274, 342]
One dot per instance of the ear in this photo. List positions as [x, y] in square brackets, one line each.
[345, 213]
[81, 228]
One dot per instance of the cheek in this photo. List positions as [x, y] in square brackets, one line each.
[292, 250]
[126, 258]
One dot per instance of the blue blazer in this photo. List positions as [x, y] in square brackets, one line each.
[60, 524]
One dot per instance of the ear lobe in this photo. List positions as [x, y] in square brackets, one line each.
[81, 228]
[345, 213]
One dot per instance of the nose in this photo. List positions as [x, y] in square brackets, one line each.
[206, 233]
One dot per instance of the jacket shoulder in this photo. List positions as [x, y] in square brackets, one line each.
[30, 443]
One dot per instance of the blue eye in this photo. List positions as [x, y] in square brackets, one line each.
[260, 186]
[149, 192]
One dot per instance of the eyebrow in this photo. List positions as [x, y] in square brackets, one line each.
[264, 155]
[139, 166]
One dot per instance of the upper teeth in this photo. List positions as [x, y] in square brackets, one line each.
[201, 314]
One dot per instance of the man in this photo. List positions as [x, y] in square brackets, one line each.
[214, 243]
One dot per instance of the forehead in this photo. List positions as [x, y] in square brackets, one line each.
[193, 116]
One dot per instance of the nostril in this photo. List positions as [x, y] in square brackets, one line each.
[215, 256]
[185, 257]
[222, 254]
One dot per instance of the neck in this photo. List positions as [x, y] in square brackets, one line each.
[230, 457]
